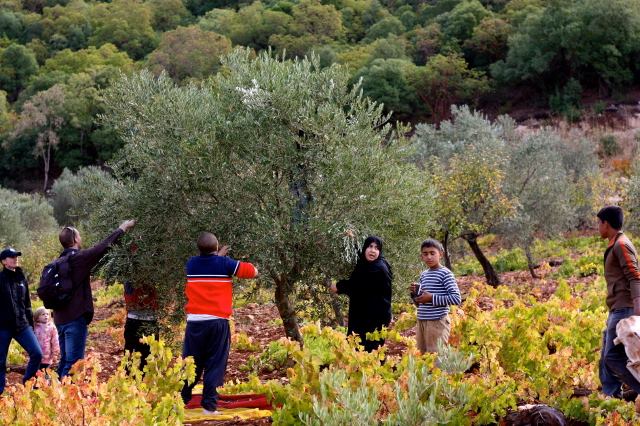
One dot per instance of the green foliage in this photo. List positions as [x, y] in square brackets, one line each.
[388, 82]
[189, 52]
[465, 160]
[609, 145]
[17, 65]
[579, 39]
[447, 80]
[539, 181]
[568, 100]
[24, 217]
[458, 24]
[383, 28]
[126, 24]
[251, 26]
[68, 193]
[168, 14]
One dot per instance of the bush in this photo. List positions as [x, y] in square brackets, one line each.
[69, 193]
[567, 101]
[609, 145]
[24, 217]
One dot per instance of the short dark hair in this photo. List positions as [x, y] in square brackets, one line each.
[613, 215]
[67, 236]
[430, 242]
[207, 243]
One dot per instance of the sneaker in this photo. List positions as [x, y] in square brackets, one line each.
[210, 413]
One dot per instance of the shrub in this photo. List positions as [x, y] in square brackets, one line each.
[609, 145]
[69, 193]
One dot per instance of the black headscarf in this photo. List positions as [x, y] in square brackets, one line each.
[364, 266]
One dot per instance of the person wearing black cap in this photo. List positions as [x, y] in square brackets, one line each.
[622, 275]
[16, 319]
[369, 290]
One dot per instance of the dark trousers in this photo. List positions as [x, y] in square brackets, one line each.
[208, 342]
[72, 337]
[369, 345]
[134, 330]
[27, 339]
[613, 359]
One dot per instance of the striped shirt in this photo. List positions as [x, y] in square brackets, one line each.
[442, 285]
[209, 288]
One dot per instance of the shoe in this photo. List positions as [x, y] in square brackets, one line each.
[210, 413]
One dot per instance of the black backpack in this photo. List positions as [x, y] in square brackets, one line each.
[56, 287]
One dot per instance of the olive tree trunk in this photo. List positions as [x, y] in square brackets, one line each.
[490, 274]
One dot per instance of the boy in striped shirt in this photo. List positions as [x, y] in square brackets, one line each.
[434, 293]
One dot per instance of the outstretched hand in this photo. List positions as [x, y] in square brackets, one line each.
[127, 224]
[223, 251]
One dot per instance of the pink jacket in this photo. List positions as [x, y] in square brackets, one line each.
[48, 338]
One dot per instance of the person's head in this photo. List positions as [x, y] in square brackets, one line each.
[70, 237]
[430, 252]
[610, 221]
[207, 243]
[42, 315]
[371, 249]
[9, 258]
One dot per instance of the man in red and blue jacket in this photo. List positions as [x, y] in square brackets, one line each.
[209, 292]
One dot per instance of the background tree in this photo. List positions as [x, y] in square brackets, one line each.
[388, 81]
[24, 216]
[166, 15]
[17, 65]
[251, 26]
[465, 158]
[126, 24]
[591, 41]
[42, 117]
[447, 80]
[189, 52]
[537, 178]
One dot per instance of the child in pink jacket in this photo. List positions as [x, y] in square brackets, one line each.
[47, 336]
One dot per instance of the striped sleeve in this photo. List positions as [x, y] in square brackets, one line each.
[452, 292]
[628, 259]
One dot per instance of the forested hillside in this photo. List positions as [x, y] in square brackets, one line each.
[416, 57]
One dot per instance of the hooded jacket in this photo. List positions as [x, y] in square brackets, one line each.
[15, 303]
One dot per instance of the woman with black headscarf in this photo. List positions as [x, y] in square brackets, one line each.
[369, 291]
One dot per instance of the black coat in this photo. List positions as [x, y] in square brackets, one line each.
[369, 291]
[15, 303]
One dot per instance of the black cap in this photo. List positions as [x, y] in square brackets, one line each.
[9, 252]
[613, 215]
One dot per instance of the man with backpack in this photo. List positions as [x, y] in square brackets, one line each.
[73, 318]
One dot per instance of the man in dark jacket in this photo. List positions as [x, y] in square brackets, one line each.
[72, 321]
[622, 275]
[16, 320]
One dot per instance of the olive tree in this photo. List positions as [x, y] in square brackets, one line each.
[537, 178]
[281, 159]
[466, 158]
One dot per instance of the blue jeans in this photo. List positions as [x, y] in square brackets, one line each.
[73, 339]
[613, 359]
[208, 342]
[27, 339]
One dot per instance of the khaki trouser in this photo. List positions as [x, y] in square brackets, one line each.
[430, 332]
